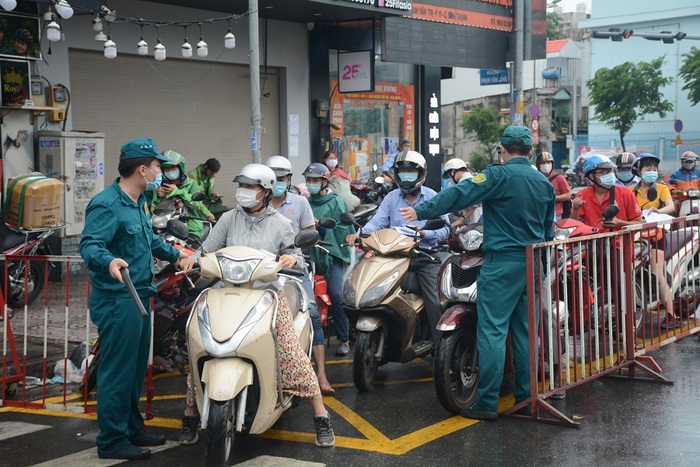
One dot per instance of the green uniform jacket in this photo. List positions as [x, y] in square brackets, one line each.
[117, 227]
[184, 191]
[206, 184]
[330, 205]
[518, 204]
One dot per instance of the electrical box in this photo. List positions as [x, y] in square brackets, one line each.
[321, 107]
[58, 97]
[38, 92]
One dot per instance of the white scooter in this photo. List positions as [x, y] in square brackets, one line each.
[233, 346]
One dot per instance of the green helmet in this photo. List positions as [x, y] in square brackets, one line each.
[175, 157]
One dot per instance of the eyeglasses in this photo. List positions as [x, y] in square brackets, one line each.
[601, 172]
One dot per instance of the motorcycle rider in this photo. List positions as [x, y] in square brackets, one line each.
[686, 178]
[411, 169]
[204, 174]
[176, 184]
[255, 224]
[340, 182]
[456, 170]
[296, 208]
[625, 176]
[545, 164]
[502, 303]
[388, 166]
[325, 203]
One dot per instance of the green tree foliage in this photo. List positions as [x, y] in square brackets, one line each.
[483, 125]
[554, 27]
[690, 72]
[623, 94]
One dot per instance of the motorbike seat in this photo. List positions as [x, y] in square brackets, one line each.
[410, 283]
[676, 240]
[12, 238]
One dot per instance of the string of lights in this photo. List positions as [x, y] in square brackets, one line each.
[62, 10]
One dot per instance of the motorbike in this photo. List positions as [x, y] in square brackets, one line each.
[233, 346]
[687, 202]
[25, 279]
[391, 322]
[575, 178]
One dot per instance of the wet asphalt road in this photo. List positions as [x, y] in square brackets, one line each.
[624, 423]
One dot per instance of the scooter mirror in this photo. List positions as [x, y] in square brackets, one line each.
[178, 229]
[327, 222]
[434, 224]
[306, 238]
[347, 218]
[374, 167]
[610, 212]
[199, 196]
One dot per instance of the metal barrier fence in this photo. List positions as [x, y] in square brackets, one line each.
[41, 330]
[606, 301]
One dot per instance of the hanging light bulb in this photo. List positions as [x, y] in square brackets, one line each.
[48, 15]
[53, 31]
[63, 9]
[110, 48]
[159, 51]
[229, 40]
[8, 5]
[202, 48]
[143, 47]
[97, 24]
[100, 37]
[186, 49]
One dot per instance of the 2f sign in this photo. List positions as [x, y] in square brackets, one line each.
[355, 71]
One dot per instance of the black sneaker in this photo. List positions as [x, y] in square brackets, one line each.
[190, 427]
[324, 432]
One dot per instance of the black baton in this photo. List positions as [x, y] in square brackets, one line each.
[132, 291]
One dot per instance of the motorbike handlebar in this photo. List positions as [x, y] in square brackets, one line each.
[292, 272]
[126, 277]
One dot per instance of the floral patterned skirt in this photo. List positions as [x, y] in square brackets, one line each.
[298, 376]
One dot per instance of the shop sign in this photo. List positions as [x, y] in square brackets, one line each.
[403, 5]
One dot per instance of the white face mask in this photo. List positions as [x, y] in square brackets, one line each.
[247, 198]
[546, 168]
[332, 163]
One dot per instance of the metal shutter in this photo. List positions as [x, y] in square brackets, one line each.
[201, 109]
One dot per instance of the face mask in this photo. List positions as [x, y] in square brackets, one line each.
[650, 177]
[154, 185]
[172, 175]
[546, 168]
[607, 180]
[408, 176]
[688, 166]
[625, 176]
[247, 198]
[280, 188]
[314, 188]
[332, 163]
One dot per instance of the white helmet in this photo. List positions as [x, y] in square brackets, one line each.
[410, 159]
[280, 165]
[453, 164]
[257, 174]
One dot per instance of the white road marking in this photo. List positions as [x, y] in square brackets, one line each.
[11, 429]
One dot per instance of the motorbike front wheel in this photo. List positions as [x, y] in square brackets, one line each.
[15, 278]
[365, 363]
[456, 369]
[221, 429]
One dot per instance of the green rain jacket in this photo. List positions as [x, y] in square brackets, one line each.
[330, 205]
[185, 188]
[518, 204]
[117, 227]
[207, 185]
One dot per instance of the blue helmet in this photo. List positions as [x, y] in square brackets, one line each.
[597, 161]
[642, 160]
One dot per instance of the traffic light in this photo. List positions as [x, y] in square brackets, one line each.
[667, 37]
[614, 34]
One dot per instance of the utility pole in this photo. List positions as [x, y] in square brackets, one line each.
[255, 115]
[516, 117]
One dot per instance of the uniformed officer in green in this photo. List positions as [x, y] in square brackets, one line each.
[518, 203]
[118, 234]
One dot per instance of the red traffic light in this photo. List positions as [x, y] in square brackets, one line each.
[627, 33]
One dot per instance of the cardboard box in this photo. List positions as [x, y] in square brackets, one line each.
[34, 199]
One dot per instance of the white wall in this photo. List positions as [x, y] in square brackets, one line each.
[287, 49]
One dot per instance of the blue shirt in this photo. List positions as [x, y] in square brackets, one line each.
[389, 164]
[388, 215]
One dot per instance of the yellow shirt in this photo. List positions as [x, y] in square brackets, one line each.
[662, 195]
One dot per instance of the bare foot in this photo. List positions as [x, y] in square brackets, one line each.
[326, 388]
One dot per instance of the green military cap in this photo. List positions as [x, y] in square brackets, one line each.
[141, 147]
[516, 136]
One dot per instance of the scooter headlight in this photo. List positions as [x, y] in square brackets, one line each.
[694, 193]
[201, 309]
[472, 238]
[236, 271]
[562, 234]
[374, 295]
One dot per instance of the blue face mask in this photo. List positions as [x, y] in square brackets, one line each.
[625, 176]
[650, 177]
[408, 176]
[280, 188]
[607, 180]
[314, 188]
[154, 185]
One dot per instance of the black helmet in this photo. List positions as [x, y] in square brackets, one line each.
[25, 36]
[317, 170]
[625, 160]
[544, 157]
